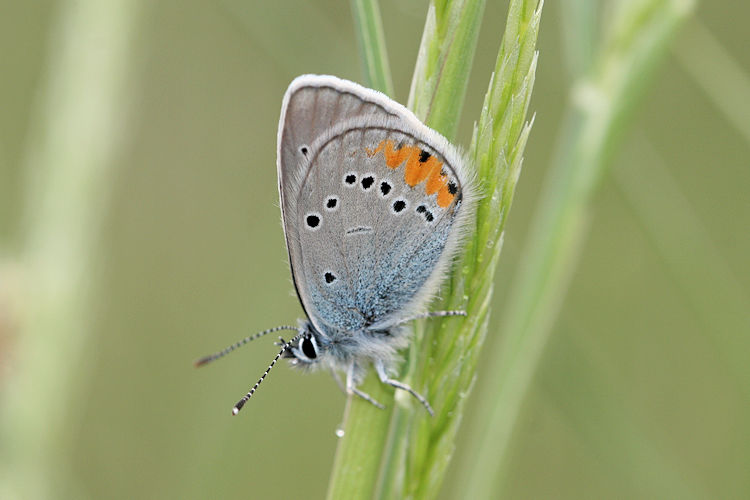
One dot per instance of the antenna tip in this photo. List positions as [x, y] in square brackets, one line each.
[239, 406]
[202, 361]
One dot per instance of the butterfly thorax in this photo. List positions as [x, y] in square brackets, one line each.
[339, 349]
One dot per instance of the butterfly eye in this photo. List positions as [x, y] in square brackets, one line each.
[308, 347]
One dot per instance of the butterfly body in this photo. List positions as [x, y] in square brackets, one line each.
[374, 204]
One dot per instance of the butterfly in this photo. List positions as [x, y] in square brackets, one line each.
[374, 205]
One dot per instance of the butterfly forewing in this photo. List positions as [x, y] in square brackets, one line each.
[313, 105]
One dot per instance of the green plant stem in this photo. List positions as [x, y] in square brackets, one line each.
[359, 453]
[370, 465]
[442, 360]
[446, 54]
[371, 42]
[602, 104]
[72, 142]
[579, 33]
[449, 350]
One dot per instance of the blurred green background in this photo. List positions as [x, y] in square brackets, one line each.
[643, 386]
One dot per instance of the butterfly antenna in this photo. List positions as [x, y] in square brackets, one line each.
[207, 359]
[247, 396]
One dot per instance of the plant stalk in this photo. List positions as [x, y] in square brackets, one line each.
[602, 103]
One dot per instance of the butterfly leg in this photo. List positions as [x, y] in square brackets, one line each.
[339, 383]
[433, 314]
[351, 388]
[400, 385]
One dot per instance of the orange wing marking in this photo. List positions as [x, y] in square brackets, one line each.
[444, 197]
[393, 157]
[420, 166]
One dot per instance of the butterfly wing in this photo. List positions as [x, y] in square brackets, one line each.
[377, 217]
[312, 105]
[371, 208]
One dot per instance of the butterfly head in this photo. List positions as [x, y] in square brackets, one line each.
[308, 349]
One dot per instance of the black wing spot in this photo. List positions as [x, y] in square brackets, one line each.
[331, 202]
[313, 221]
[385, 188]
[399, 206]
[350, 179]
[452, 188]
[422, 209]
[367, 182]
[329, 277]
[358, 230]
[303, 150]
[424, 156]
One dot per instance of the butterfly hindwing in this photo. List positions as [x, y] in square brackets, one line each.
[375, 211]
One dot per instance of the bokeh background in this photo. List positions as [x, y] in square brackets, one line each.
[642, 387]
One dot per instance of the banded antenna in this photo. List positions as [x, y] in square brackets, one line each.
[285, 345]
[246, 397]
[207, 359]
